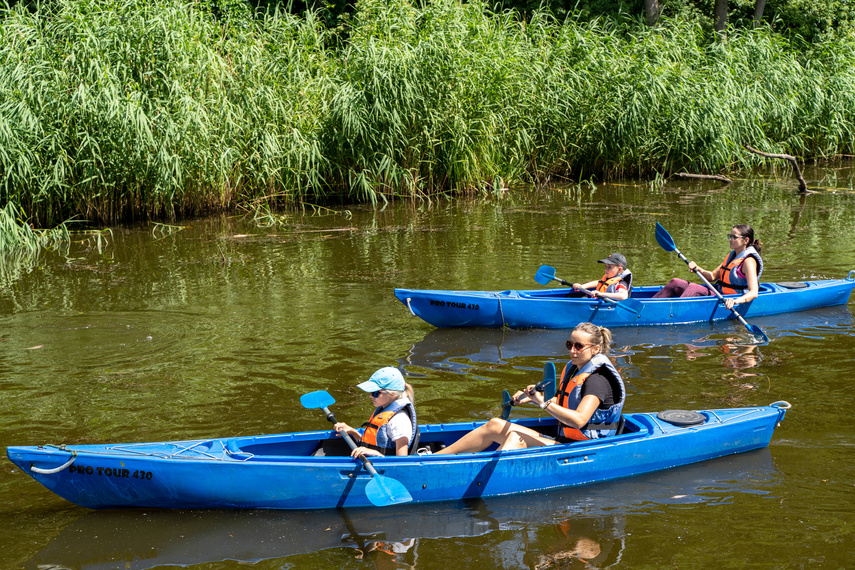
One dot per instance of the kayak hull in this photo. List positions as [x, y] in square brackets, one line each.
[553, 308]
[279, 472]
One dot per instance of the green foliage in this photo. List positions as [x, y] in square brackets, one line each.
[135, 109]
[17, 235]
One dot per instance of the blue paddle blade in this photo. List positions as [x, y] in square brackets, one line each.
[631, 305]
[548, 382]
[758, 332]
[506, 405]
[664, 238]
[319, 399]
[544, 274]
[383, 491]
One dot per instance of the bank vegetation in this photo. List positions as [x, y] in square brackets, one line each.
[156, 109]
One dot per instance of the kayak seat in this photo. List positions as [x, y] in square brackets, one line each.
[620, 425]
[414, 445]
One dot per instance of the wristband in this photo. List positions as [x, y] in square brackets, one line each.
[545, 405]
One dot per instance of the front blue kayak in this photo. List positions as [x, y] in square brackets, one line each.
[283, 471]
[554, 309]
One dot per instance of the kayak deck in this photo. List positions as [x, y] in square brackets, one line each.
[562, 308]
[281, 471]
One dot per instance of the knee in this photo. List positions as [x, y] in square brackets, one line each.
[496, 425]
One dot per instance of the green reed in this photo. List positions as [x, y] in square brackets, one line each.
[141, 109]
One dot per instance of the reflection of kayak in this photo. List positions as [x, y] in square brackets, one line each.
[279, 472]
[456, 348]
[137, 540]
[554, 309]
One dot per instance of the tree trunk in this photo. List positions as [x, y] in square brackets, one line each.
[651, 11]
[759, 6]
[720, 15]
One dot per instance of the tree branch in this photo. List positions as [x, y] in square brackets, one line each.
[792, 159]
[718, 177]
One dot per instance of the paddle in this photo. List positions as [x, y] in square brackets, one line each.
[546, 273]
[381, 491]
[667, 243]
[547, 386]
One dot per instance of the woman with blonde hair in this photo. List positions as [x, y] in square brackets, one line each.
[587, 404]
[392, 427]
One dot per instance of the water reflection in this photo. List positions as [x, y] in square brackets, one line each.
[585, 524]
[457, 349]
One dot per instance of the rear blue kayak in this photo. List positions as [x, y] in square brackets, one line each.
[554, 309]
[282, 472]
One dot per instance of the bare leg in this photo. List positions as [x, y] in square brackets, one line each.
[501, 432]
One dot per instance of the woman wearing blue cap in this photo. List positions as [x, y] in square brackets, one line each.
[392, 426]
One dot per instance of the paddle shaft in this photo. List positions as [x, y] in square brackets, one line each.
[607, 299]
[365, 461]
[539, 387]
[714, 290]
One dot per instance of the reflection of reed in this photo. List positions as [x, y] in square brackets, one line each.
[15, 264]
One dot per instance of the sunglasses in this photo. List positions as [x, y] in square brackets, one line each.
[731, 236]
[376, 394]
[578, 346]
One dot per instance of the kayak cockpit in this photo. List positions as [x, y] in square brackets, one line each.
[285, 447]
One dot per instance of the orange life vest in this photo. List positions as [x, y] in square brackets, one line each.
[374, 436]
[603, 422]
[563, 395]
[610, 285]
[729, 281]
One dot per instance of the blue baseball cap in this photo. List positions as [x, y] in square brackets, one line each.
[387, 378]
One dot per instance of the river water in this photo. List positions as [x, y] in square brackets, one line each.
[216, 327]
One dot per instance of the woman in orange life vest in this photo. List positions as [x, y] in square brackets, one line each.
[393, 424]
[588, 401]
[739, 273]
[616, 283]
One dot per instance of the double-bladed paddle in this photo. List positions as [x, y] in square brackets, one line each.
[381, 491]
[547, 386]
[664, 239]
[546, 273]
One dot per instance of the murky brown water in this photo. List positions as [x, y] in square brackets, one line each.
[216, 330]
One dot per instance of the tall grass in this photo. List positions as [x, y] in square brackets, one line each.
[138, 108]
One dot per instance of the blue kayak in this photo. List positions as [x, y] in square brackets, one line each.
[554, 309]
[283, 471]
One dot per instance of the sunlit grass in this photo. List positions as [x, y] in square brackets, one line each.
[136, 109]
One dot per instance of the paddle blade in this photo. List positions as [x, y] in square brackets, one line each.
[383, 491]
[548, 381]
[544, 274]
[758, 333]
[319, 399]
[631, 305]
[664, 238]
[506, 405]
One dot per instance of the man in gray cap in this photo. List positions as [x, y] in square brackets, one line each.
[615, 284]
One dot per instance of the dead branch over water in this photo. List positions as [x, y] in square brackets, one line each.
[790, 158]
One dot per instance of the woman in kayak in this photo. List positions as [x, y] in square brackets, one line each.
[739, 273]
[615, 284]
[392, 426]
[587, 403]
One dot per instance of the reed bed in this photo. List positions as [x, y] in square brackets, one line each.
[158, 109]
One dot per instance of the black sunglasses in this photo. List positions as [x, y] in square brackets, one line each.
[577, 345]
[376, 394]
